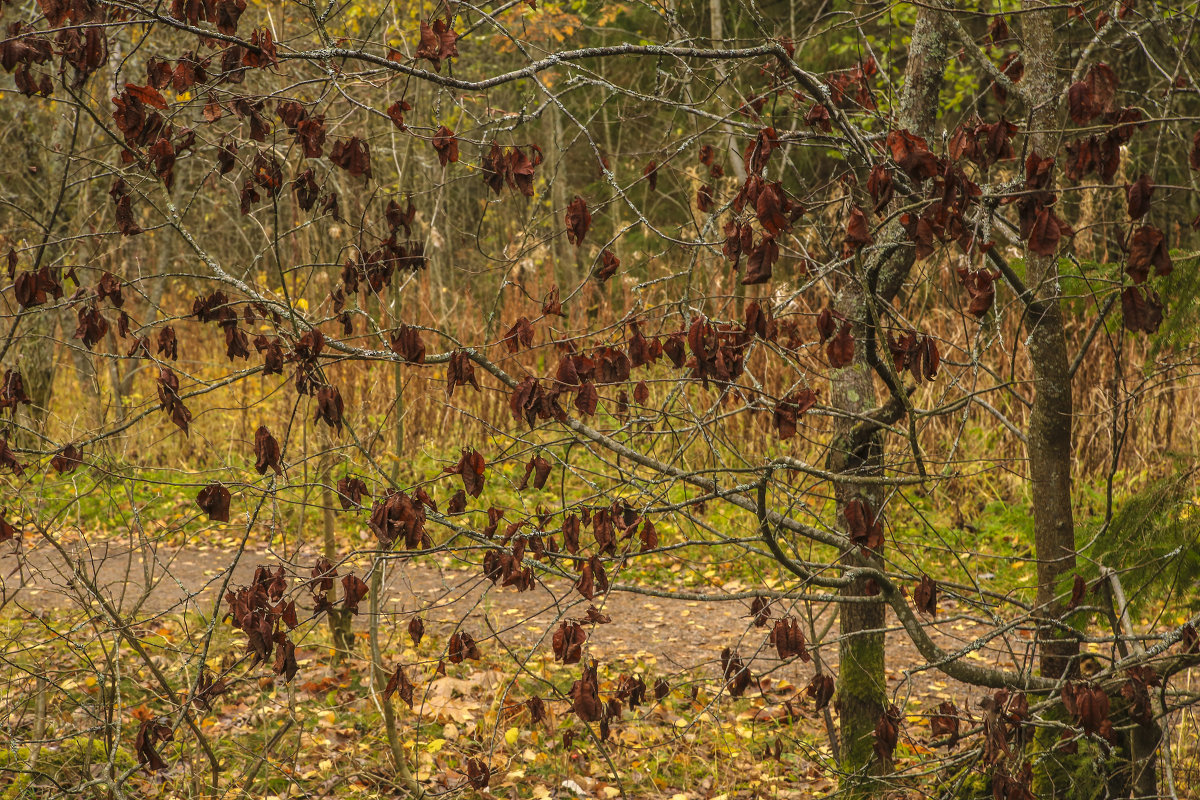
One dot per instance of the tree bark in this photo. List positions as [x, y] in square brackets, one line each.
[565, 269]
[1050, 420]
[37, 359]
[405, 779]
[339, 618]
[861, 685]
[36, 347]
[862, 695]
[86, 374]
[716, 22]
[158, 287]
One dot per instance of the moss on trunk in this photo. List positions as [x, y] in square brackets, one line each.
[861, 695]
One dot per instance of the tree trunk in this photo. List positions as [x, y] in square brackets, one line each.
[115, 380]
[1049, 434]
[404, 777]
[717, 26]
[564, 272]
[339, 618]
[37, 358]
[862, 695]
[861, 688]
[397, 308]
[87, 375]
[35, 328]
[716, 14]
[158, 287]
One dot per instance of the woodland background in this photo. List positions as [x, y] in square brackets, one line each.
[693, 400]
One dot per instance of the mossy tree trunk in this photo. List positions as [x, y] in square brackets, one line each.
[33, 332]
[36, 362]
[862, 690]
[339, 618]
[1050, 421]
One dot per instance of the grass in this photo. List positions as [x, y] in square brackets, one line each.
[975, 528]
[335, 745]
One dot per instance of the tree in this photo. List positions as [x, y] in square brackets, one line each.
[868, 289]
[563, 295]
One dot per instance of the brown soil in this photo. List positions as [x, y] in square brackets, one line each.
[675, 635]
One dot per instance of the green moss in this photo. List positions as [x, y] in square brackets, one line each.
[61, 761]
[1082, 775]
[7, 759]
[967, 783]
[17, 788]
[861, 682]
[861, 669]
[1087, 774]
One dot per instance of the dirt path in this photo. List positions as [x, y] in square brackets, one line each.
[676, 635]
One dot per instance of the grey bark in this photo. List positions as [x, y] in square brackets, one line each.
[158, 287]
[862, 689]
[1050, 421]
[564, 270]
[34, 330]
[36, 360]
[86, 373]
[717, 26]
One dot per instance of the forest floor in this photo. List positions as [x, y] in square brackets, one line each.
[680, 634]
[697, 743]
